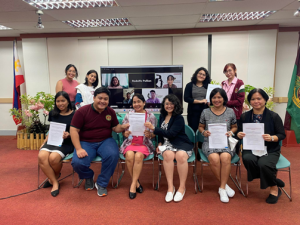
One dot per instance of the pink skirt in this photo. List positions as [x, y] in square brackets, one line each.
[137, 148]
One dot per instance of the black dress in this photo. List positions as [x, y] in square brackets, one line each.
[67, 146]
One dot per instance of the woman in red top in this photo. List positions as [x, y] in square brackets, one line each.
[68, 84]
[234, 89]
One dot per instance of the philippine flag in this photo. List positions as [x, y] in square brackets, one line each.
[18, 80]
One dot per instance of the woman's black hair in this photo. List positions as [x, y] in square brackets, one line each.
[95, 84]
[177, 106]
[207, 78]
[139, 96]
[112, 83]
[260, 91]
[101, 90]
[69, 66]
[173, 78]
[56, 111]
[222, 93]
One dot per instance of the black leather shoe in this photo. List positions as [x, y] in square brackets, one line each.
[132, 195]
[280, 183]
[272, 199]
[47, 184]
[140, 188]
[56, 192]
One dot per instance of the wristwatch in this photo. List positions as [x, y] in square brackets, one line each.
[272, 138]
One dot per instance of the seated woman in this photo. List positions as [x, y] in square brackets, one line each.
[50, 157]
[85, 92]
[173, 143]
[219, 159]
[263, 167]
[136, 148]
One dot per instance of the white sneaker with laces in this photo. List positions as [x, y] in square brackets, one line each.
[230, 191]
[170, 195]
[223, 195]
[178, 197]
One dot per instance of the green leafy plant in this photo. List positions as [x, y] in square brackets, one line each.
[29, 116]
[215, 82]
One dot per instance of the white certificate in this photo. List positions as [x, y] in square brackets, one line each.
[210, 88]
[136, 122]
[217, 138]
[253, 139]
[56, 133]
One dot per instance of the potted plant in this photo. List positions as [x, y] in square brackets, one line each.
[34, 128]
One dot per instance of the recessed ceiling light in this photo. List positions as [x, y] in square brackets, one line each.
[225, 17]
[4, 28]
[70, 4]
[115, 22]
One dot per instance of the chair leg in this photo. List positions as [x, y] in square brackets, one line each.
[201, 177]
[159, 175]
[237, 182]
[40, 185]
[289, 195]
[73, 181]
[153, 174]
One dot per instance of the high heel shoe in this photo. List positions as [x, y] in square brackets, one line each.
[140, 188]
[132, 195]
[56, 192]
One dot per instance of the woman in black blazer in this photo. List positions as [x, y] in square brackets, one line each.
[257, 165]
[194, 95]
[173, 143]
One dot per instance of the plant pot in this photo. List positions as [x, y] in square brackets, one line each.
[29, 141]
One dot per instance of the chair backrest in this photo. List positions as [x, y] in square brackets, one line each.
[115, 137]
[199, 137]
[190, 133]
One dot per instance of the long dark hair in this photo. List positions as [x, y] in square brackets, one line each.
[69, 66]
[95, 84]
[56, 111]
[177, 106]
[207, 78]
[112, 81]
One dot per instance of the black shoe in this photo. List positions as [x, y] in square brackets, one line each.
[56, 192]
[280, 183]
[89, 184]
[47, 184]
[272, 199]
[132, 195]
[140, 188]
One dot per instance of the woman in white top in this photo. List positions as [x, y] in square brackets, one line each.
[85, 92]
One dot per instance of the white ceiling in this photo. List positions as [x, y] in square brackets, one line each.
[144, 15]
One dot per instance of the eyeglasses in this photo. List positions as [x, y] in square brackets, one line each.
[228, 71]
[202, 74]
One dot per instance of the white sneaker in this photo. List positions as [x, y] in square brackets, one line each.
[223, 195]
[170, 195]
[178, 197]
[230, 192]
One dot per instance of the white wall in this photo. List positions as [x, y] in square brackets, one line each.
[285, 61]
[253, 53]
[229, 48]
[192, 53]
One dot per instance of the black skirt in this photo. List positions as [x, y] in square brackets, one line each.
[63, 151]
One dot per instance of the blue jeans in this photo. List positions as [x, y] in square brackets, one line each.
[109, 152]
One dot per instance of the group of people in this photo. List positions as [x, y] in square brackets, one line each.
[89, 133]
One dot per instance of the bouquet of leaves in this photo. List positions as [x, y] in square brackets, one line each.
[32, 108]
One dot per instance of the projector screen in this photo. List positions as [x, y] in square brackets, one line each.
[153, 82]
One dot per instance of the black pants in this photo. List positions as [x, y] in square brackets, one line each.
[193, 121]
[261, 167]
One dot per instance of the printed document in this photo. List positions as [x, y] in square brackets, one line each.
[56, 133]
[210, 88]
[218, 138]
[136, 122]
[253, 139]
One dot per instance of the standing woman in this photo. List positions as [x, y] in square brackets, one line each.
[50, 157]
[258, 166]
[68, 84]
[136, 148]
[235, 90]
[85, 92]
[194, 95]
[219, 159]
[173, 144]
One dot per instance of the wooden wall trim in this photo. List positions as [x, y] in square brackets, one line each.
[280, 99]
[145, 32]
[289, 29]
[10, 38]
[6, 100]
